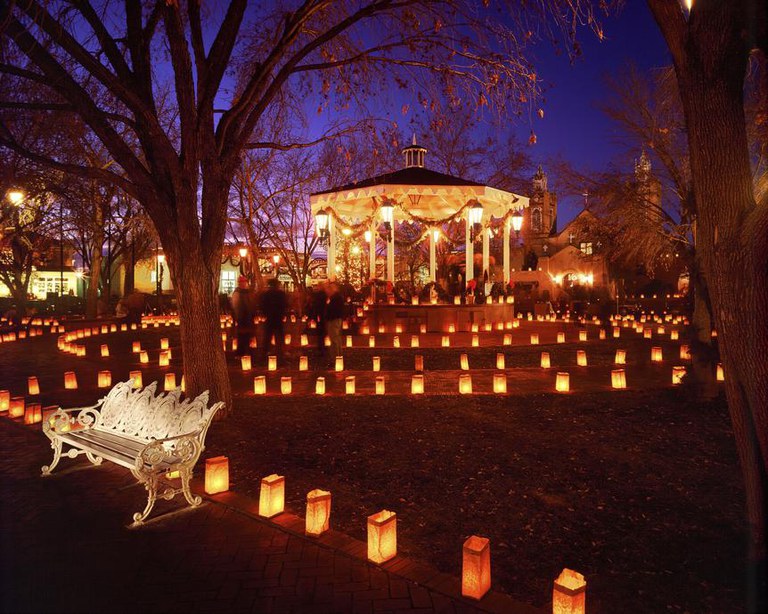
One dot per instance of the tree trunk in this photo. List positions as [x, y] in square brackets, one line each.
[703, 355]
[732, 242]
[97, 241]
[196, 287]
[129, 264]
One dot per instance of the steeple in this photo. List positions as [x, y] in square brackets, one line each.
[414, 154]
[539, 181]
[643, 167]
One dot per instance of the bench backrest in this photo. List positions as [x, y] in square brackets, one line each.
[142, 415]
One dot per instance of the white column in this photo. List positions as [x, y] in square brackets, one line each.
[486, 250]
[391, 253]
[506, 253]
[432, 255]
[470, 251]
[372, 252]
[331, 248]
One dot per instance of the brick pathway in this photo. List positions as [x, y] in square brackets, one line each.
[65, 548]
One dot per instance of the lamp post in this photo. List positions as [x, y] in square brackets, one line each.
[474, 221]
[275, 262]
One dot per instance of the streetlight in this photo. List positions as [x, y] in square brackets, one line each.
[243, 251]
[517, 222]
[475, 218]
[275, 262]
[16, 197]
[159, 260]
[321, 220]
[387, 215]
[367, 236]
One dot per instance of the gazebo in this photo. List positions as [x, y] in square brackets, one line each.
[417, 194]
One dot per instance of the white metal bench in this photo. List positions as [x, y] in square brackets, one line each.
[158, 437]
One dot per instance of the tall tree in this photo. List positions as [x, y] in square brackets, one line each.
[711, 42]
[114, 66]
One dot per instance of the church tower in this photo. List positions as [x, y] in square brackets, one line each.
[648, 188]
[542, 213]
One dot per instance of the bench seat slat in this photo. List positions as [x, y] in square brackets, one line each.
[122, 453]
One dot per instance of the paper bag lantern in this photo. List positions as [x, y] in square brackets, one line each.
[464, 361]
[569, 594]
[500, 383]
[476, 567]
[164, 359]
[618, 379]
[348, 340]
[582, 335]
[272, 496]
[70, 380]
[80, 351]
[245, 362]
[475, 341]
[216, 475]
[382, 329]
[318, 512]
[500, 361]
[396, 342]
[380, 385]
[674, 335]
[720, 373]
[16, 408]
[616, 332]
[303, 363]
[418, 363]
[371, 341]
[349, 384]
[287, 339]
[339, 363]
[601, 335]
[414, 341]
[143, 357]
[136, 347]
[656, 354]
[304, 340]
[422, 328]
[5, 400]
[561, 337]
[33, 413]
[33, 387]
[507, 339]
[271, 363]
[104, 379]
[621, 357]
[685, 352]
[136, 377]
[259, 385]
[457, 300]
[417, 384]
[398, 328]
[446, 341]
[581, 358]
[562, 383]
[677, 375]
[320, 385]
[169, 382]
[647, 333]
[105, 351]
[286, 385]
[382, 536]
[465, 383]
[535, 339]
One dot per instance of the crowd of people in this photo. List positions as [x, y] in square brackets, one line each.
[325, 307]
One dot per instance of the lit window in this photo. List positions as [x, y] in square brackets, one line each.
[228, 282]
[536, 220]
[586, 248]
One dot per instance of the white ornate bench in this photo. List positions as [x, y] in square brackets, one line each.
[158, 437]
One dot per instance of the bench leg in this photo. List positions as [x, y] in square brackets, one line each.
[96, 460]
[186, 476]
[56, 445]
[150, 483]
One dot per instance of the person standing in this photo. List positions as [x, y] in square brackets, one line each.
[243, 310]
[334, 313]
[274, 304]
[317, 313]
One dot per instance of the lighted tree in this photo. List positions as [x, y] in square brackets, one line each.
[711, 44]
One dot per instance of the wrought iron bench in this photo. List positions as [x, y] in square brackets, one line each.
[158, 437]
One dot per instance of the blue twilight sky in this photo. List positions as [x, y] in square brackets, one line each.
[573, 128]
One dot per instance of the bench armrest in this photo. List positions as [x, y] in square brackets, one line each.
[181, 450]
[63, 420]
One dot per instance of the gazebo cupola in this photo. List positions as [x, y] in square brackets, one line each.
[414, 155]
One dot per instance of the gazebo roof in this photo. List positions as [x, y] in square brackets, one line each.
[417, 190]
[414, 175]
